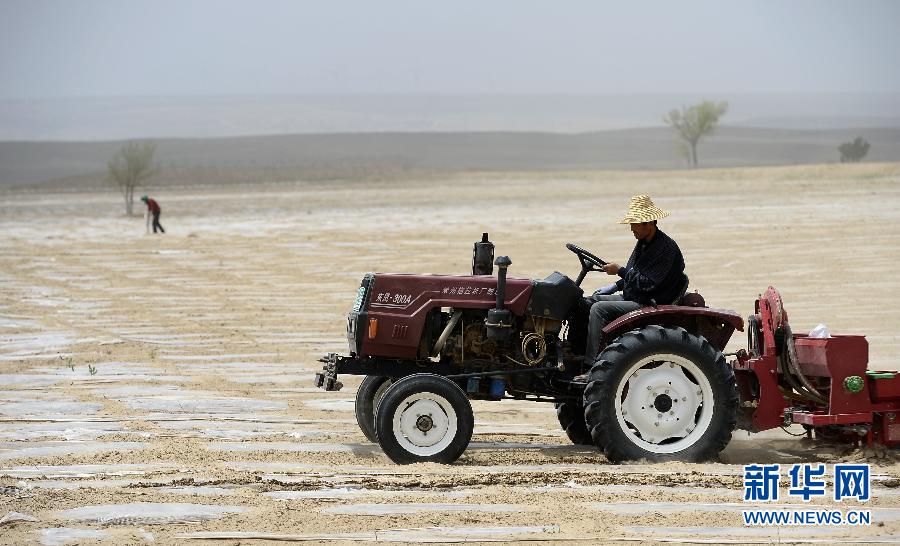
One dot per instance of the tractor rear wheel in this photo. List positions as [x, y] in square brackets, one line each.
[661, 393]
[424, 418]
[368, 395]
[571, 419]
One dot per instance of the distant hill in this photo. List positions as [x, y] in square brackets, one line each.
[323, 156]
[117, 118]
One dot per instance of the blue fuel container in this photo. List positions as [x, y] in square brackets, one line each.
[472, 385]
[498, 388]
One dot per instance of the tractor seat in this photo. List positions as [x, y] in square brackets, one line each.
[689, 299]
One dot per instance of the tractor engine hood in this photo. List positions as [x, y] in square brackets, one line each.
[409, 295]
[400, 303]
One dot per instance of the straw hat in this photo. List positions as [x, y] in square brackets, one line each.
[641, 209]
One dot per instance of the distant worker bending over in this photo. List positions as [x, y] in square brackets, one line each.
[152, 210]
[654, 273]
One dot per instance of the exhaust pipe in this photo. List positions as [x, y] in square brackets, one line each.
[502, 262]
[499, 319]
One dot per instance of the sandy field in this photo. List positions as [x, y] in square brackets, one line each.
[159, 388]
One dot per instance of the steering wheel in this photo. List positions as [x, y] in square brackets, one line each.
[589, 262]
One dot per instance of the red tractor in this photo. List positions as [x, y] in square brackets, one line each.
[660, 388]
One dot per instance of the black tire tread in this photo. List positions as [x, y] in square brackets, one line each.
[365, 405]
[571, 419]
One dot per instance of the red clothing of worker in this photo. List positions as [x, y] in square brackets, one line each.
[153, 206]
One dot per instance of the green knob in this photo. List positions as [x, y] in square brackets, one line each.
[854, 384]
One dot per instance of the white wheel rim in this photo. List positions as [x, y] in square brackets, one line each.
[664, 403]
[424, 424]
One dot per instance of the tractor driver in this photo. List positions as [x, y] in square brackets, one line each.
[654, 273]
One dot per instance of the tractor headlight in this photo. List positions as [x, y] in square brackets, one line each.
[360, 298]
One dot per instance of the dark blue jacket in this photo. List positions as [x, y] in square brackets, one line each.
[655, 270]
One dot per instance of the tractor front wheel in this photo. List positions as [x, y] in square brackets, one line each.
[368, 395]
[661, 393]
[424, 418]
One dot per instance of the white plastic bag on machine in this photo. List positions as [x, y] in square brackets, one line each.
[820, 332]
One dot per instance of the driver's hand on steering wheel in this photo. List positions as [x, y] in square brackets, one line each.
[611, 268]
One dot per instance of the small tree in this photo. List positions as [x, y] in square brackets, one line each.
[853, 152]
[130, 167]
[693, 123]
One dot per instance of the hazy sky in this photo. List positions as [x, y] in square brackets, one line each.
[92, 47]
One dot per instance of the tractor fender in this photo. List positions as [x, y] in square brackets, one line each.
[716, 325]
